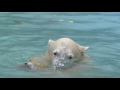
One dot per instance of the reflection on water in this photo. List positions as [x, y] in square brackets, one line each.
[26, 34]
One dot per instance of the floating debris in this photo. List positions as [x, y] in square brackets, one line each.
[71, 21]
[41, 64]
[18, 22]
[61, 20]
[32, 59]
[49, 20]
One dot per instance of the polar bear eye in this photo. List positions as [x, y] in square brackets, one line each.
[70, 56]
[55, 53]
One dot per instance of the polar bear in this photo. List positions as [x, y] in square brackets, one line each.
[60, 52]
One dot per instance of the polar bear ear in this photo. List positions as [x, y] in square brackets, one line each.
[82, 48]
[51, 42]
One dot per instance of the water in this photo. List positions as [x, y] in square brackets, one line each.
[26, 34]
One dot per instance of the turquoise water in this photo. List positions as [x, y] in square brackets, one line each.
[26, 34]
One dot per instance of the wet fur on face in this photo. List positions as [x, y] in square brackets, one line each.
[61, 55]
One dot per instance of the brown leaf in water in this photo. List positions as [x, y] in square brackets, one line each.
[18, 22]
